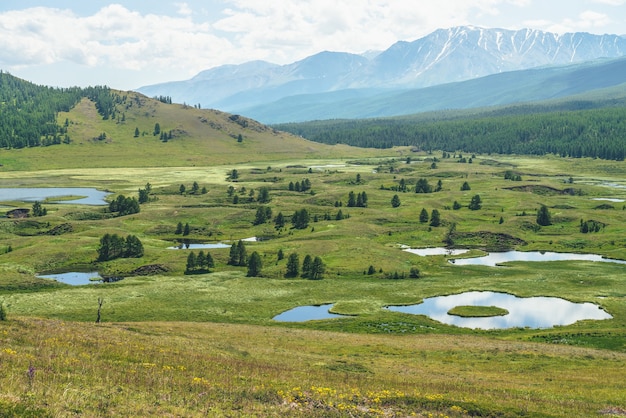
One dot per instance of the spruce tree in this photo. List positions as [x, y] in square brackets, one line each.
[241, 254]
[307, 263]
[543, 216]
[191, 262]
[435, 219]
[254, 265]
[293, 265]
[317, 269]
[476, 203]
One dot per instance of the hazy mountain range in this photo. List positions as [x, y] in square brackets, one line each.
[450, 68]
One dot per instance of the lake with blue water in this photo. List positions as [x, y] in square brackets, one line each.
[87, 195]
[307, 313]
[75, 278]
[495, 258]
[532, 312]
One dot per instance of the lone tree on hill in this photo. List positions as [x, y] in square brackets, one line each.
[39, 210]
[476, 203]
[543, 216]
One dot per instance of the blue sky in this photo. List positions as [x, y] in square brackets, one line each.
[130, 43]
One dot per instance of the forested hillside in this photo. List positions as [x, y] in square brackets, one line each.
[595, 132]
[28, 112]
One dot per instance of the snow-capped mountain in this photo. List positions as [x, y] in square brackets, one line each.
[444, 56]
[463, 53]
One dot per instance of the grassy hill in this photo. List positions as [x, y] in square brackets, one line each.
[199, 137]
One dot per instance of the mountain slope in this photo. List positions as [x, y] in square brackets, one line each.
[498, 89]
[99, 127]
[444, 56]
[464, 53]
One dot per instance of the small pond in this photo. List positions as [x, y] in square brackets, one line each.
[608, 199]
[307, 313]
[197, 246]
[493, 259]
[435, 251]
[75, 278]
[614, 185]
[89, 195]
[534, 312]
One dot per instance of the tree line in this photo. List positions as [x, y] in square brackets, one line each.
[595, 133]
[113, 246]
[29, 112]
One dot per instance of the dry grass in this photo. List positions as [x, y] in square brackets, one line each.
[189, 369]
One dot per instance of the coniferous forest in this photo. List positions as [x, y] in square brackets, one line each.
[28, 112]
[595, 133]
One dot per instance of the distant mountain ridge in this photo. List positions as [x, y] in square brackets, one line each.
[444, 56]
[530, 85]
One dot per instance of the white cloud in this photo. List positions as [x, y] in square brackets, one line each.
[611, 2]
[587, 21]
[113, 36]
[301, 27]
[184, 9]
[201, 34]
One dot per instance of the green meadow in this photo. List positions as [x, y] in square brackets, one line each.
[172, 343]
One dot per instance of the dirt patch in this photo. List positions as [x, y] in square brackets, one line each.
[614, 411]
[485, 240]
[149, 270]
[544, 190]
[61, 229]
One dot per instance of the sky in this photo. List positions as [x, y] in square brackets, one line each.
[127, 44]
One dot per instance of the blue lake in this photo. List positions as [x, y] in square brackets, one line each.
[307, 313]
[495, 258]
[533, 312]
[196, 246]
[88, 195]
[75, 278]
[424, 252]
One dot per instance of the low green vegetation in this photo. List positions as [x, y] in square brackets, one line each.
[189, 331]
[477, 311]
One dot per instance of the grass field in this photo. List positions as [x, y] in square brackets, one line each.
[177, 344]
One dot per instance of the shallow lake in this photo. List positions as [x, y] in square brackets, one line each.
[75, 278]
[435, 251]
[534, 312]
[89, 195]
[196, 246]
[493, 259]
[307, 313]
[608, 199]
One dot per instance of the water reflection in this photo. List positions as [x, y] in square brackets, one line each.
[74, 278]
[492, 259]
[435, 251]
[32, 194]
[535, 312]
[195, 246]
[307, 313]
